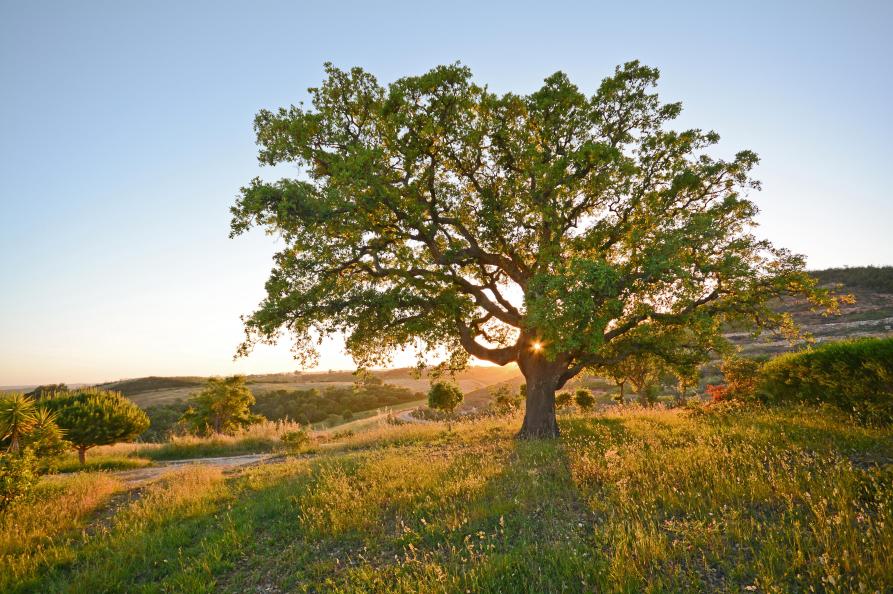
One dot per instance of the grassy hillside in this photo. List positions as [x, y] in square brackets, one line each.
[872, 278]
[870, 315]
[630, 501]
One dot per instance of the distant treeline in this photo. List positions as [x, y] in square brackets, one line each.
[313, 405]
[875, 278]
[151, 383]
[332, 404]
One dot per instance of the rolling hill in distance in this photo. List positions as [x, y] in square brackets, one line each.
[870, 315]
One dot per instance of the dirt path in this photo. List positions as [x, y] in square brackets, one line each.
[140, 476]
[406, 417]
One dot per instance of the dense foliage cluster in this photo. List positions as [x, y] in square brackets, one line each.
[563, 399]
[741, 375]
[853, 375]
[18, 474]
[314, 405]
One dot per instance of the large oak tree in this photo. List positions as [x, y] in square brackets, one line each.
[556, 230]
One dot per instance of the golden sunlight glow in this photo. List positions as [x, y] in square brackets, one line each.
[536, 345]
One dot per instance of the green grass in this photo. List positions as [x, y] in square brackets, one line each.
[263, 437]
[70, 463]
[208, 448]
[628, 501]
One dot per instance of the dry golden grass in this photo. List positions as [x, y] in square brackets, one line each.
[627, 501]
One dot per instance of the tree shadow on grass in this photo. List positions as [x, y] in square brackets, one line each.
[527, 529]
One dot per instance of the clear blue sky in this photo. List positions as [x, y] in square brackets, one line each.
[125, 133]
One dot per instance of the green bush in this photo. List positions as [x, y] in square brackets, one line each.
[223, 406]
[853, 375]
[445, 396]
[18, 474]
[296, 440]
[584, 399]
[563, 399]
[505, 400]
[648, 394]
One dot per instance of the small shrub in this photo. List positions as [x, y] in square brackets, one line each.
[584, 399]
[444, 396]
[505, 401]
[648, 395]
[563, 399]
[18, 475]
[296, 440]
[341, 434]
[741, 376]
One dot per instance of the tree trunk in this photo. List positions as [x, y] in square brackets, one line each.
[542, 380]
[82, 455]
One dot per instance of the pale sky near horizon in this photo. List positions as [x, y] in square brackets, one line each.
[125, 133]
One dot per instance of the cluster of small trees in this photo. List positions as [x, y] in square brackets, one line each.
[37, 427]
[226, 405]
[314, 406]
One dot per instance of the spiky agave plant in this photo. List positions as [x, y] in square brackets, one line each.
[17, 418]
[46, 437]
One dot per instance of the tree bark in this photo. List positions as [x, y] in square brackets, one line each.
[543, 379]
[82, 455]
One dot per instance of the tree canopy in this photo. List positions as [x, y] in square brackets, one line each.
[445, 396]
[557, 230]
[223, 406]
[92, 417]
